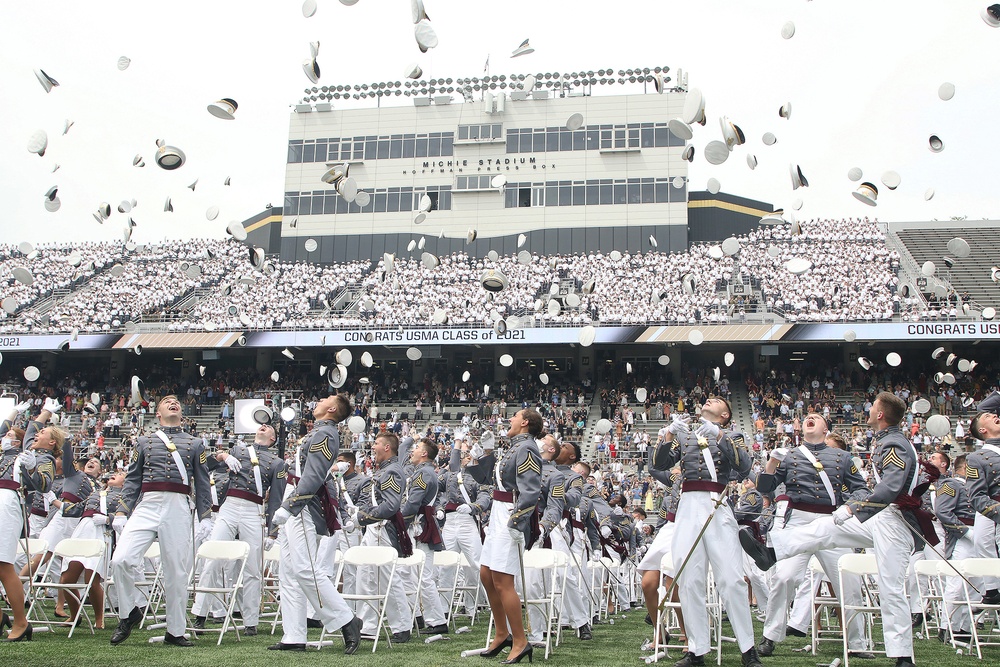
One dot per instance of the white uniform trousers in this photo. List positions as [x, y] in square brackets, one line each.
[787, 579]
[892, 541]
[325, 563]
[801, 614]
[986, 536]
[927, 553]
[241, 519]
[372, 580]
[461, 534]
[961, 621]
[623, 573]
[167, 516]
[431, 605]
[300, 581]
[576, 600]
[760, 583]
[719, 546]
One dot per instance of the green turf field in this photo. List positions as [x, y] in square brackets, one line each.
[612, 645]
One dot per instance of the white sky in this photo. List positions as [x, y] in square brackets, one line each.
[862, 77]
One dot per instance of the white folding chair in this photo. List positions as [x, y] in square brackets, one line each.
[543, 561]
[822, 629]
[863, 565]
[559, 583]
[930, 592]
[375, 557]
[30, 547]
[228, 552]
[70, 549]
[416, 563]
[448, 565]
[270, 607]
[977, 568]
[463, 590]
[154, 598]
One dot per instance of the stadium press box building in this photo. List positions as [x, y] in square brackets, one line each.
[613, 183]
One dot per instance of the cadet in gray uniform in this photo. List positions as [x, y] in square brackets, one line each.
[707, 456]
[548, 514]
[418, 513]
[378, 510]
[953, 508]
[817, 479]
[167, 467]
[29, 467]
[983, 478]
[304, 514]
[748, 510]
[869, 519]
[255, 473]
[462, 504]
[570, 538]
[518, 483]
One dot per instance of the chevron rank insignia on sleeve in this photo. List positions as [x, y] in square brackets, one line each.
[576, 483]
[204, 457]
[892, 458]
[972, 473]
[419, 481]
[558, 491]
[391, 483]
[282, 474]
[529, 464]
[854, 469]
[947, 490]
[322, 447]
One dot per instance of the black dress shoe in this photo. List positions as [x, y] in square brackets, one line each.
[514, 659]
[352, 635]
[750, 658]
[584, 632]
[690, 660]
[250, 631]
[313, 623]
[5, 621]
[23, 637]
[992, 597]
[176, 641]
[401, 637]
[763, 556]
[280, 646]
[199, 624]
[861, 655]
[905, 662]
[507, 643]
[794, 632]
[765, 647]
[648, 620]
[435, 629]
[125, 626]
[916, 621]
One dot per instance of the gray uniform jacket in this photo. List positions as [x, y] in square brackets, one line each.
[273, 476]
[802, 480]
[749, 506]
[520, 472]
[421, 492]
[551, 499]
[354, 484]
[953, 508]
[153, 469]
[982, 474]
[112, 502]
[895, 462]
[450, 495]
[381, 497]
[315, 456]
[729, 455]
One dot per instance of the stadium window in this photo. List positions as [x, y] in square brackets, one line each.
[606, 139]
[633, 137]
[524, 197]
[371, 149]
[565, 140]
[661, 191]
[380, 202]
[320, 151]
[593, 194]
[661, 137]
[619, 138]
[409, 145]
[607, 193]
[538, 141]
[434, 196]
[648, 195]
[580, 140]
[551, 139]
[382, 149]
[463, 132]
[396, 147]
[448, 144]
[648, 140]
[565, 194]
[538, 195]
[512, 142]
[579, 194]
[421, 147]
[434, 147]
[392, 205]
[294, 152]
[309, 153]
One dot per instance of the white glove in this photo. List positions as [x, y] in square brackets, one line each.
[22, 407]
[100, 520]
[708, 430]
[52, 405]
[350, 527]
[268, 544]
[205, 529]
[233, 464]
[841, 514]
[477, 452]
[605, 532]
[118, 523]
[464, 508]
[50, 497]
[440, 515]
[679, 424]
[340, 468]
[280, 517]
[595, 557]
[516, 535]
[779, 453]
[27, 459]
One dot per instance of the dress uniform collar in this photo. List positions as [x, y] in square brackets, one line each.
[815, 446]
[992, 441]
[171, 430]
[323, 422]
[520, 437]
[350, 475]
[886, 431]
[389, 461]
